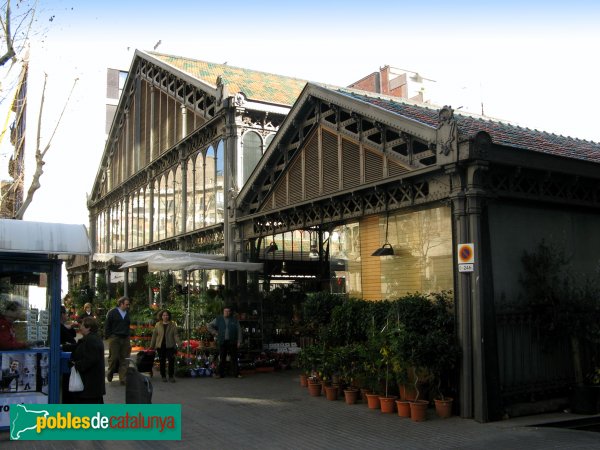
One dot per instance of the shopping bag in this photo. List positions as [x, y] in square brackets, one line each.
[75, 382]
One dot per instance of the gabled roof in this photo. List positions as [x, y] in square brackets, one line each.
[502, 133]
[260, 86]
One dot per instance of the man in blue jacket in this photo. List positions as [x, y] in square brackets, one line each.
[229, 337]
[116, 331]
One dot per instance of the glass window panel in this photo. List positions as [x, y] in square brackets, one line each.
[210, 173]
[178, 202]
[24, 325]
[220, 184]
[169, 204]
[422, 260]
[199, 206]
[189, 225]
[252, 152]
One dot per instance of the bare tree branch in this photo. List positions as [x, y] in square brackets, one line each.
[39, 155]
[10, 50]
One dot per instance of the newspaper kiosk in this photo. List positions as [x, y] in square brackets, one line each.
[31, 257]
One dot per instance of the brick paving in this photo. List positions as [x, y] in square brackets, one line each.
[272, 411]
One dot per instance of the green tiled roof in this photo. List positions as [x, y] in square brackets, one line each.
[260, 86]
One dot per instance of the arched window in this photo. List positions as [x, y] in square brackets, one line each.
[178, 202]
[159, 200]
[191, 198]
[140, 218]
[220, 184]
[210, 174]
[132, 221]
[148, 215]
[199, 207]
[268, 141]
[251, 153]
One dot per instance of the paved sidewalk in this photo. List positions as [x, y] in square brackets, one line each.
[271, 411]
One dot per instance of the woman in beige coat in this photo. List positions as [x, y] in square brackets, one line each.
[165, 340]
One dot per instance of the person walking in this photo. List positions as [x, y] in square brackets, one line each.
[165, 339]
[88, 359]
[116, 331]
[87, 312]
[67, 344]
[229, 337]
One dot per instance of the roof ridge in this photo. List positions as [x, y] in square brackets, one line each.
[153, 53]
[472, 115]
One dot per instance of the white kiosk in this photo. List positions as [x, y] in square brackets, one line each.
[30, 299]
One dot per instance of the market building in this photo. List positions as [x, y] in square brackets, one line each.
[353, 192]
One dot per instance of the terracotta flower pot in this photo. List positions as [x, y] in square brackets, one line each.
[407, 392]
[304, 380]
[403, 407]
[363, 394]
[351, 395]
[387, 404]
[443, 408]
[314, 389]
[373, 401]
[418, 410]
[331, 392]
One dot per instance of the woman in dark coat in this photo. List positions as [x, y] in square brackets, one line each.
[88, 358]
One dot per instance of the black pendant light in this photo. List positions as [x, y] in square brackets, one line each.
[386, 249]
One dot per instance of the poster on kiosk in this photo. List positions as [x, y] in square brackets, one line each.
[31, 257]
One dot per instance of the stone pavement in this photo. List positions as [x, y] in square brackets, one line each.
[272, 411]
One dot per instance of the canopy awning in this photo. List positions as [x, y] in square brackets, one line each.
[158, 260]
[20, 236]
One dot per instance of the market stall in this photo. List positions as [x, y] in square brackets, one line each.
[31, 257]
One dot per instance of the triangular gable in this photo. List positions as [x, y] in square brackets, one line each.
[331, 143]
[199, 86]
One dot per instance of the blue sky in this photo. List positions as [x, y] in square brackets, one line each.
[530, 62]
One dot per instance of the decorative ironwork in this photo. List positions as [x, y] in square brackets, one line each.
[541, 185]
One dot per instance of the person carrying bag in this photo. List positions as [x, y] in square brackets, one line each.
[88, 360]
[75, 381]
[165, 339]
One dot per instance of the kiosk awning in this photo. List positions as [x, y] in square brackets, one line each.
[20, 236]
[158, 260]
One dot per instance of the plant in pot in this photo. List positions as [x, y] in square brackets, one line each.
[388, 355]
[309, 360]
[372, 371]
[445, 353]
[349, 363]
[423, 337]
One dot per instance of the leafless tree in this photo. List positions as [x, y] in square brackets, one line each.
[39, 154]
[17, 24]
[17, 19]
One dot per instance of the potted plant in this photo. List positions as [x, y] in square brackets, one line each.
[349, 355]
[388, 355]
[425, 341]
[308, 359]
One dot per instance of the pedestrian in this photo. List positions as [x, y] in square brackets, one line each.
[67, 344]
[67, 331]
[116, 331]
[88, 359]
[87, 312]
[165, 339]
[229, 337]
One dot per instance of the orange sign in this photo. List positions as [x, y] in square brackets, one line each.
[466, 253]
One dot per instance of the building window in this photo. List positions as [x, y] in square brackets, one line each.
[251, 154]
